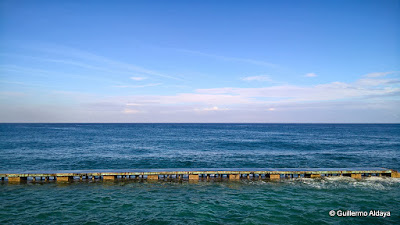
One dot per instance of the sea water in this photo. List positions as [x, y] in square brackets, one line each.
[48, 147]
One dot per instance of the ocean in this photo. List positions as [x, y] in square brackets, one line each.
[49, 147]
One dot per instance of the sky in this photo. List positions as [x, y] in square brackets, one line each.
[200, 61]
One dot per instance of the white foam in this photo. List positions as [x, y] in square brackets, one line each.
[376, 183]
[338, 178]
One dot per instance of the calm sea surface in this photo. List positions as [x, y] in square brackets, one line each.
[43, 147]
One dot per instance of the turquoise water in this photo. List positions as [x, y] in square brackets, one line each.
[118, 146]
[303, 201]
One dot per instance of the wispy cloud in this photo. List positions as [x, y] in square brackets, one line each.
[21, 69]
[310, 75]
[290, 103]
[208, 109]
[137, 86]
[23, 83]
[49, 74]
[376, 82]
[380, 74]
[130, 111]
[228, 58]
[12, 94]
[257, 78]
[138, 78]
[361, 88]
[269, 98]
[58, 60]
[94, 61]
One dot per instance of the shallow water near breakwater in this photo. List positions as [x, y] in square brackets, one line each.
[118, 146]
[294, 201]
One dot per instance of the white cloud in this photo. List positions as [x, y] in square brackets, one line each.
[379, 74]
[137, 86]
[233, 98]
[267, 98]
[369, 99]
[324, 92]
[310, 75]
[130, 111]
[214, 108]
[12, 94]
[97, 62]
[206, 99]
[257, 78]
[376, 82]
[227, 58]
[138, 78]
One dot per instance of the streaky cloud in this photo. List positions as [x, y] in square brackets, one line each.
[137, 86]
[310, 75]
[228, 58]
[85, 55]
[257, 78]
[380, 74]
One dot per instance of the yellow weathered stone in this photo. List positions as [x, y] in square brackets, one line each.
[64, 179]
[152, 177]
[193, 177]
[395, 174]
[274, 176]
[234, 176]
[16, 179]
[356, 175]
[109, 177]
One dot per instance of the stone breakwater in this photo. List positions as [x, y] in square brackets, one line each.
[193, 174]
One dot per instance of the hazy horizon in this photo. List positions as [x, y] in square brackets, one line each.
[311, 123]
[200, 62]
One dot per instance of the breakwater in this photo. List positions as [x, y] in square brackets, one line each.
[194, 174]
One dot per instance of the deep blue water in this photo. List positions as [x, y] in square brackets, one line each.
[121, 146]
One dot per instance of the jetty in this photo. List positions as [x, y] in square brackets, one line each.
[195, 174]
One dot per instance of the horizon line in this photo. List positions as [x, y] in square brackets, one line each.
[195, 123]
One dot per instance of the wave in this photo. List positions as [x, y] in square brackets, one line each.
[372, 183]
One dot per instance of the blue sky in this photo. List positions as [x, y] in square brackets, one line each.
[200, 61]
